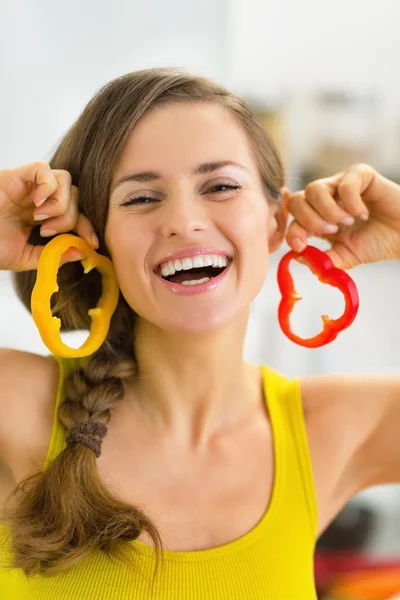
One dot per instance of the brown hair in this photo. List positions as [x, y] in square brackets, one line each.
[60, 515]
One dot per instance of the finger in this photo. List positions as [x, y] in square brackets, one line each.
[65, 209]
[70, 220]
[57, 203]
[308, 217]
[71, 255]
[85, 230]
[342, 257]
[322, 201]
[350, 190]
[296, 237]
[30, 258]
[40, 175]
[31, 254]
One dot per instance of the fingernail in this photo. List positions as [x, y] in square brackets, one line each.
[364, 217]
[298, 244]
[40, 217]
[348, 221]
[41, 202]
[95, 241]
[47, 232]
[330, 229]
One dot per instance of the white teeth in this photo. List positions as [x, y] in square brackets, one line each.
[203, 260]
[178, 265]
[187, 264]
[197, 261]
[196, 281]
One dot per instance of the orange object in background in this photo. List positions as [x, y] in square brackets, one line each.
[380, 584]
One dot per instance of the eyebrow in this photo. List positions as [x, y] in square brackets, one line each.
[202, 169]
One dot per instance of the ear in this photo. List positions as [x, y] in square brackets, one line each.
[277, 225]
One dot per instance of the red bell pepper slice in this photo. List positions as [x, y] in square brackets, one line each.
[323, 267]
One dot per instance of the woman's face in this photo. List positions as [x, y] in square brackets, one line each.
[187, 182]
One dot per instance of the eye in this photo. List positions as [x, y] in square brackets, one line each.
[224, 188]
[220, 188]
[139, 200]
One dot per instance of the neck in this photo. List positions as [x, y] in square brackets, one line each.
[193, 386]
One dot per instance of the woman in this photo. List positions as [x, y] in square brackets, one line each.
[232, 469]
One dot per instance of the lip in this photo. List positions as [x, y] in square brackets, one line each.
[190, 252]
[200, 288]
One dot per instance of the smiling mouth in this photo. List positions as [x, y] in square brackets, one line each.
[194, 274]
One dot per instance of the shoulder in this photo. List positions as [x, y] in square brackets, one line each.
[28, 389]
[352, 401]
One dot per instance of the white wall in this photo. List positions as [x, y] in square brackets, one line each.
[55, 55]
[278, 46]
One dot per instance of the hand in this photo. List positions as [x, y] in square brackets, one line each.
[22, 192]
[357, 210]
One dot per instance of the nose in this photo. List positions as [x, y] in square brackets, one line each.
[183, 213]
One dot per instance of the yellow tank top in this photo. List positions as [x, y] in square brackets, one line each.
[273, 561]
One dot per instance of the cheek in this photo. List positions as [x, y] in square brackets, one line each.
[124, 236]
[127, 247]
[249, 226]
[251, 236]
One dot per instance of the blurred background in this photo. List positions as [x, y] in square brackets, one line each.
[325, 78]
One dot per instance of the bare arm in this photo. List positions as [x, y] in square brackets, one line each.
[353, 426]
[28, 384]
[352, 421]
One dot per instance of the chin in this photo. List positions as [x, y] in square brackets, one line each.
[201, 324]
[204, 317]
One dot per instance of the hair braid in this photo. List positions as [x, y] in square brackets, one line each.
[70, 489]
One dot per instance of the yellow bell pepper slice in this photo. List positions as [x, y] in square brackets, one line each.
[46, 285]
